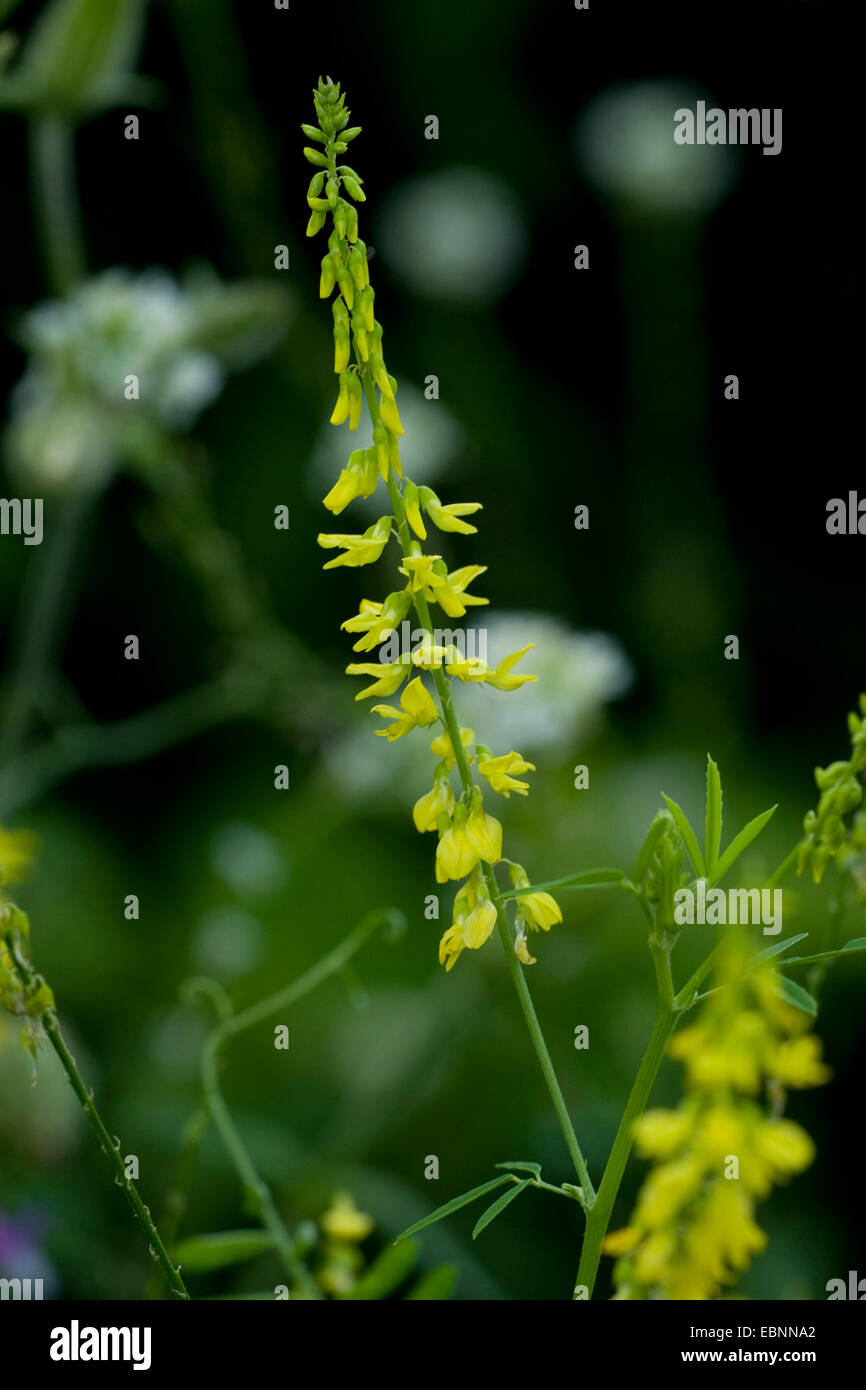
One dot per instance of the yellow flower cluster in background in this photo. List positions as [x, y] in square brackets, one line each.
[726, 1145]
[470, 839]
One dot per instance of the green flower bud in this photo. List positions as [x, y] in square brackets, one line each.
[365, 307]
[333, 192]
[312, 132]
[358, 269]
[315, 156]
[316, 223]
[328, 276]
[351, 132]
[316, 184]
[354, 189]
[380, 376]
[351, 223]
[360, 333]
[347, 288]
[341, 218]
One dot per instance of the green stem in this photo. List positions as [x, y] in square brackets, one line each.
[449, 718]
[112, 1150]
[598, 1218]
[256, 1190]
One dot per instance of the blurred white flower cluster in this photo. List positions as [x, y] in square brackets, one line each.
[71, 416]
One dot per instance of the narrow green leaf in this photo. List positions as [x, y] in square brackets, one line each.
[198, 1253]
[777, 949]
[522, 1166]
[797, 995]
[740, 843]
[587, 878]
[858, 943]
[654, 834]
[454, 1205]
[438, 1283]
[499, 1205]
[689, 836]
[387, 1272]
[714, 815]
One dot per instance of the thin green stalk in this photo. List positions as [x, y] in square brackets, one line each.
[58, 219]
[598, 1218]
[110, 1146]
[178, 1197]
[256, 1190]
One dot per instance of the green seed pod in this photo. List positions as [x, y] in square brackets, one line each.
[315, 156]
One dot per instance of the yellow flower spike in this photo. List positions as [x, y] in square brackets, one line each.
[502, 679]
[433, 804]
[413, 510]
[389, 678]
[359, 550]
[391, 415]
[417, 711]
[502, 772]
[456, 853]
[442, 746]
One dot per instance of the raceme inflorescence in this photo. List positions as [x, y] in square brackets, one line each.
[469, 837]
